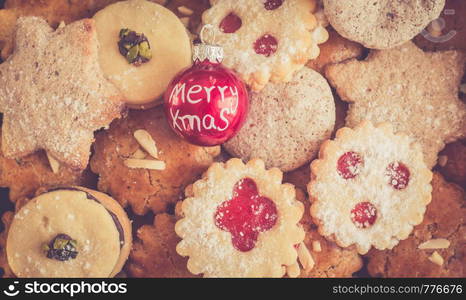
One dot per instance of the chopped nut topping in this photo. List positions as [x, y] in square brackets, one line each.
[436, 258]
[305, 257]
[135, 163]
[147, 142]
[54, 164]
[185, 10]
[316, 246]
[134, 47]
[435, 244]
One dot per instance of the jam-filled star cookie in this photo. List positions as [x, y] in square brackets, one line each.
[270, 47]
[53, 94]
[415, 91]
[369, 187]
[381, 24]
[143, 45]
[436, 246]
[287, 122]
[144, 164]
[69, 232]
[240, 222]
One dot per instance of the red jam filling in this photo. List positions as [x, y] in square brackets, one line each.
[231, 23]
[398, 174]
[246, 214]
[266, 45]
[349, 164]
[272, 4]
[364, 214]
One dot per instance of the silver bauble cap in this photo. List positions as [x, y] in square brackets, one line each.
[205, 51]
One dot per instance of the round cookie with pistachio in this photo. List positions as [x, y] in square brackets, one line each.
[69, 232]
[143, 45]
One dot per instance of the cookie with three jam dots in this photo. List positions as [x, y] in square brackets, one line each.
[142, 186]
[270, 47]
[369, 187]
[69, 232]
[416, 91]
[143, 45]
[154, 252]
[381, 24]
[435, 248]
[287, 122]
[240, 221]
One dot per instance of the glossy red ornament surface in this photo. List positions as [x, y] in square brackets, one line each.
[206, 104]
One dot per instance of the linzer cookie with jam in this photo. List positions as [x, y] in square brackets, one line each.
[265, 40]
[69, 232]
[369, 187]
[143, 46]
[240, 221]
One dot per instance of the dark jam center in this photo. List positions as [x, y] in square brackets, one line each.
[231, 23]
[272, 4]
[134, 47]
[266, 45]
[364, 215]
[398, 174]
[349, 164]
[62, 247]
[246, 214]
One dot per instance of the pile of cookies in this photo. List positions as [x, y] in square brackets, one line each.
[351, 162]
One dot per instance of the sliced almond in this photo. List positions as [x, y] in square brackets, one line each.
[135, 163]
[436, 258]
[54, 164]
[305, 257]
[147, 142]
[435, 244]
[293, 271]
[442, 160]
[185, 10]
[316, 246]
[139, 154]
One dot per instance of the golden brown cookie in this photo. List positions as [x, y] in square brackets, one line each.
[154, 252]
[443, 232]
[53, 93]
[134, 177]
[416, 91]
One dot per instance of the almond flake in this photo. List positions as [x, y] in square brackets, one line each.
[54, 164]
[436, 258]
[185, 10]
[135, 163]
[147, 142]
[316, 246]
[293, 271]
[305, 257]
[139, 154]
[435, 244]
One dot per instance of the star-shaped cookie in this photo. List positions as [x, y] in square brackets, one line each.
[416, 91]
[53, 93]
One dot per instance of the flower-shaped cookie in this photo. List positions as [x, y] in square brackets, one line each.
[240, 221]
[369, 187]
[271, 47]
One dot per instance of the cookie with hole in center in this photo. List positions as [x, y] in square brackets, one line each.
[369, 187]
[69, 232]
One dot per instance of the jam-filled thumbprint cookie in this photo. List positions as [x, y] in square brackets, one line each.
[69, 232]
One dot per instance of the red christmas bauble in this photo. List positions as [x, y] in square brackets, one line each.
[206, 104]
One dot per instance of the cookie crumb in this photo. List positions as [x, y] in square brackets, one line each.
[435, 244]
[436, 258]
[316, 246]
[138, 154]
[442, 160]
[293, 271]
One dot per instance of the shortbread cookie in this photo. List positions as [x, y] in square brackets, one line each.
[136, 178]
[53, 94]
[270, 47]
[69, 232]
[381, 24]
[287, 122]
[415, 91]
[452, 162]
[436, 246]
[369, 187]
[335, 50]
[240, 222]
[143, 45]
[154, 254]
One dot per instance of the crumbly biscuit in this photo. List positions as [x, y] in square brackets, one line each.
[271, 47]
[145, 189]
[444, 221]
[415, 91]
[287, 122]
[369, 187]
[381, 24]
[53, 94]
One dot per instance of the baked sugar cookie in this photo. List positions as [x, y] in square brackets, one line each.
[270, 47]
[381, 24]
[69, 232]
[286, 122]
[143, 45]
[369, 187]
[240, 221]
